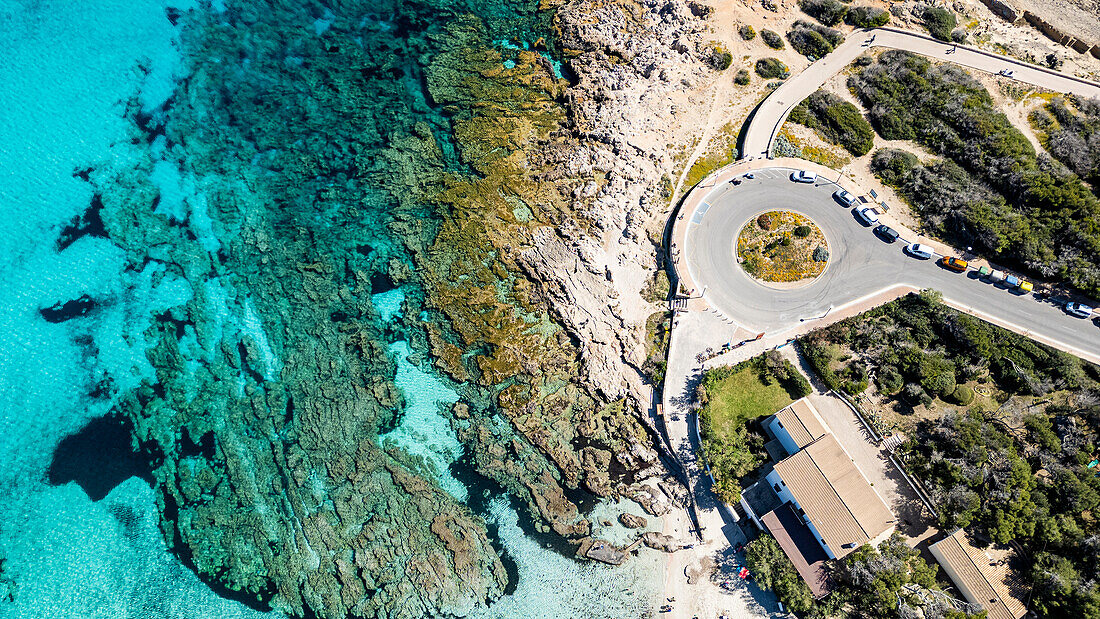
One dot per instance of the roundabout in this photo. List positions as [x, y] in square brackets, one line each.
[857, 260]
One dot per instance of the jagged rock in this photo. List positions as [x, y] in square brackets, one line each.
[631, 521]
[602, 551]
[660, 541]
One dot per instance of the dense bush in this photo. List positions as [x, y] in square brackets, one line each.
[962, 395]
[802, 231]
[720, 58]
[747, 32]
[771, 39]
[769, 68]
[742, 78]
[892, 165]
[828, 12]
[1071, 131]
[836, 120]
[992, 191]
[821, 254]
[867, 17]
[813, 40]
[764, 221]
[773, 571]
[939, 21]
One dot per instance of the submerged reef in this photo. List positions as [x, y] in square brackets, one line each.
[315, 155]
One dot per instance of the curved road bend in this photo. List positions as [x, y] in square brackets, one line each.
[860, 265]
[770, 115]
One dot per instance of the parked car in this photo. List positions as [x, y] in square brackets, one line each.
[953, 263]
[917, 250]
[845, 198]
[867, 215]
[804, 176]
[886, 233]
[1079, 310]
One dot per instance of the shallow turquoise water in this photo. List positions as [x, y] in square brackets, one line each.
[65, 77]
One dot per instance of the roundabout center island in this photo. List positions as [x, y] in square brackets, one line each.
[782, 249]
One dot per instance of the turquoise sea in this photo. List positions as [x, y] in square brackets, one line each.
[157, 280]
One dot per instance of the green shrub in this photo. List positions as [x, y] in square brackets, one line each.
[747, 32]
[720, 58]
[821, 254]
[939, 21]
[813, 40]
[889, 382]
[771, 39]
[773, 571]
[836, 121]
[742, 77]
[892, 165]
[863, 60]
[867, 17]
[962, 395]
[828, 12]
[802, 231]
[769, 68]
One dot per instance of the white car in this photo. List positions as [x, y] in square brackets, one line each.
[1079, 310]
[868, 215]
[844, 198]
[804, 176]
[916, 250]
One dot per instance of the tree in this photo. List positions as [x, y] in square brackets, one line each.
[940, 22]
[774, 571]
[867, 17]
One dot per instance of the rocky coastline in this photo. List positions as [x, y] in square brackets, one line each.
[514, 205]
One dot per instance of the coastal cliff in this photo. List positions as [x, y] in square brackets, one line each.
[330, 154]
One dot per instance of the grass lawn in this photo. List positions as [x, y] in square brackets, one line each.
[742, 396]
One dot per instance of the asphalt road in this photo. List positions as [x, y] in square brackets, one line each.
[860, 265]
[770, 115]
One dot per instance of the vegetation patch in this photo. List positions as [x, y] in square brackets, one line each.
[939, 21]
[747, 32]
[721, 151]
[769, 68]
[732, 400]
[836, 121]
[771, 39]
[867, 17]
[813, 40]
[992, 190]
[828, 12]
[742, 78]
[1017, 462]
[1070, 131]
[789, 145]
[773, 571]
[778, 246]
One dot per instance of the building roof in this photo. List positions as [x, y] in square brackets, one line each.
[979, 581]
[802, 422]
[835, 495]
[800, 545]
